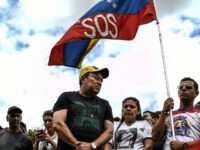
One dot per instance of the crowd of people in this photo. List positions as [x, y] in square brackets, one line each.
[81, 120]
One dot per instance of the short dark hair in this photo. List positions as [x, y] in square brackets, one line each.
[158, 112]
[47, 113]
[153, 114]
[196, 87]
[23, 127]
[116, 119]
[147, 111]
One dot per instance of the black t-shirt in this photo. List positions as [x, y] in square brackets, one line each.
[14, 141]
[85, 116]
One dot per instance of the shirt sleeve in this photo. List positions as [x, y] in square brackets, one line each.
[62, 102]
[147, 129]
[109, 114]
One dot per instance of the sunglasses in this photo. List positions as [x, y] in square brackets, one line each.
[187, 87]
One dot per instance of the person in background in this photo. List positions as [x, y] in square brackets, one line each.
[155, 118]
[81, 118]
[46, 140]
[133, 132]
[197, 105]
[12, 137]
[116, 119]
[157, 145]
[151, 116]
[186, 119]
[23, 127]
[158, 113]
[148, 116]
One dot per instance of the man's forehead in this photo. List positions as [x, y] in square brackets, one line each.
[187, 82]
[96, 73]
[147, 113]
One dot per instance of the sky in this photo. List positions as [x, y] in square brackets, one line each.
[29, 29]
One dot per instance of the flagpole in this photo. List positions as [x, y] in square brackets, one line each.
[165, 69]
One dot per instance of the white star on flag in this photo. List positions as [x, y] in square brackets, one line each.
[114, 5]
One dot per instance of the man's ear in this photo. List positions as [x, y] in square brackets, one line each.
[83, 78]
[21, 118]
[197, 93]
[7, 118]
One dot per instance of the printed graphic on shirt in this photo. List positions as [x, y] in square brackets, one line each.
[181, 126]
[126, 138]
[86, 116]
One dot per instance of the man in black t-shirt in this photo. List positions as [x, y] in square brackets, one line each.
[82, 119]
[12, 138]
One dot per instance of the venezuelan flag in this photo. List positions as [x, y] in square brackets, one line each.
[108, 19]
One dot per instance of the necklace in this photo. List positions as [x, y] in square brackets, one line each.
[54, 136]
[89, 106]
[91, 116]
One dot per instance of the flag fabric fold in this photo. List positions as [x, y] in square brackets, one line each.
[108, 19]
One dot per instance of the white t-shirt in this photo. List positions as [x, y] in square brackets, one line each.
[49, 146]
[132, 137]
[186, 126]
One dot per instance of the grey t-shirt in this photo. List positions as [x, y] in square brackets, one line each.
[14, 141]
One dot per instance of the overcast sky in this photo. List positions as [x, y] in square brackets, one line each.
[29, 29]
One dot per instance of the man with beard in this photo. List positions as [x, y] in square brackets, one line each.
[186, 119]
[83, 120]
[12, 137]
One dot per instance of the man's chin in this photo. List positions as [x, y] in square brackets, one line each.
[96, 91]
[15, 126]
[184, 98]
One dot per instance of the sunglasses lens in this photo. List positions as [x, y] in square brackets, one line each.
[186, 87]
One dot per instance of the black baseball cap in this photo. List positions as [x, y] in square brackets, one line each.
[14, 109]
